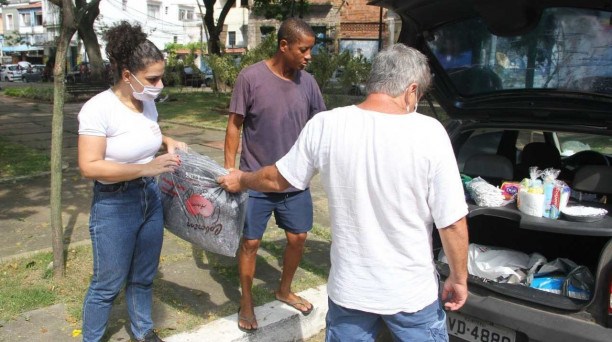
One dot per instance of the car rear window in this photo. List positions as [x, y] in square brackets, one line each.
[570, 49]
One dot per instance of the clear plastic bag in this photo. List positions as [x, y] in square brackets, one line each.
[198, 210]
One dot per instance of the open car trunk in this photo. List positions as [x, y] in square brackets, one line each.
[591, 250]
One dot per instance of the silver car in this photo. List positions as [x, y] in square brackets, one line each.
[10, 72]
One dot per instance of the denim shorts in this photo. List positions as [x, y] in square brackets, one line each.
[427, 324]
[292, 212]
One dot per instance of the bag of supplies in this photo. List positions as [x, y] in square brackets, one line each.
[197, 209]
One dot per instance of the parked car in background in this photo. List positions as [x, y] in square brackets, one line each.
[196, 78]
[34, 73]
[10, 72]
[526, 83]
[79, 73]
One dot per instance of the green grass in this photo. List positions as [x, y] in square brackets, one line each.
[18, 160]
[198, 109]
[24, 286]
[44, 93]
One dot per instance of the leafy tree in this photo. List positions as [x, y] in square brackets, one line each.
[214, 30]
[356, 70]
[13, 39]
[265, 50]
[280, 9]
[85, 15]
[226, 69]
[324, 63]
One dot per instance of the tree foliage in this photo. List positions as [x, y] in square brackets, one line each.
[355, 70]
[264, 50]
[226, 67]
[324, 63]
[14, 38]
[280, 9]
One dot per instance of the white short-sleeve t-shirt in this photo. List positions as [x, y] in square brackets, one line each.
[131, 138]
[389, 179]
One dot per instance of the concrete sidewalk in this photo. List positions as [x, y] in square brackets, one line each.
[188, 286]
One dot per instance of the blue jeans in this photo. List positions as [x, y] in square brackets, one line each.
[343, 325]
[126, 227]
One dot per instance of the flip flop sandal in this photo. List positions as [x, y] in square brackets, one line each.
[250, 321]
[295, 304]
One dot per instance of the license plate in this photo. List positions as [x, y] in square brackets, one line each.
[472, 329]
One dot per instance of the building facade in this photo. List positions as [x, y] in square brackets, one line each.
[342, 24]
[29, 28]
[22, 31]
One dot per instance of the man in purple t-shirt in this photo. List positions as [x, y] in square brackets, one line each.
[272, 101]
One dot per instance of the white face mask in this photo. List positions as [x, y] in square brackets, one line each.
[148, 93]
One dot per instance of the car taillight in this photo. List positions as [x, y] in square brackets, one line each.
[610, 303]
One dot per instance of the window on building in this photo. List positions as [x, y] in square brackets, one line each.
[231, 38]
[175, 39]
[26, 19]
[166, 10]
[320, 32]
[244, 3]
[266, 30]
[9, 22]
[124, 5]
[38, 19]
[153, 10]
[185, 14]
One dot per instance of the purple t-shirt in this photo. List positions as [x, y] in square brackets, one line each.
[275, 111]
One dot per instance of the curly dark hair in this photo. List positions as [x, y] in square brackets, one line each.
[127, 47]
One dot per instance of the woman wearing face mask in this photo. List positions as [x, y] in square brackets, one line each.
[118, 141]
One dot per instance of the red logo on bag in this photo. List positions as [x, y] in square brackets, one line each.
[198, 205]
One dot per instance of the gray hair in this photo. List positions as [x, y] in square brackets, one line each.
[395, 68]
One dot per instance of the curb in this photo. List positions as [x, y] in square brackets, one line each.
[277, 322]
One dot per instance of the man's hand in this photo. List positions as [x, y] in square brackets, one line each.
[231, 182]
[454, 294]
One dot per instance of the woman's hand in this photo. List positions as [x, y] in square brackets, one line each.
[165, 163]
[172, 145]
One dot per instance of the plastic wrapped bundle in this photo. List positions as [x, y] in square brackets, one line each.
[196, 209]
[485, 194]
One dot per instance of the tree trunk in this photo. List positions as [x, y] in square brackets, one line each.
[68, 28]
[90, 39]
[214, 43]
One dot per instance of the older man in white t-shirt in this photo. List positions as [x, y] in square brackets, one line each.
[390, 175]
